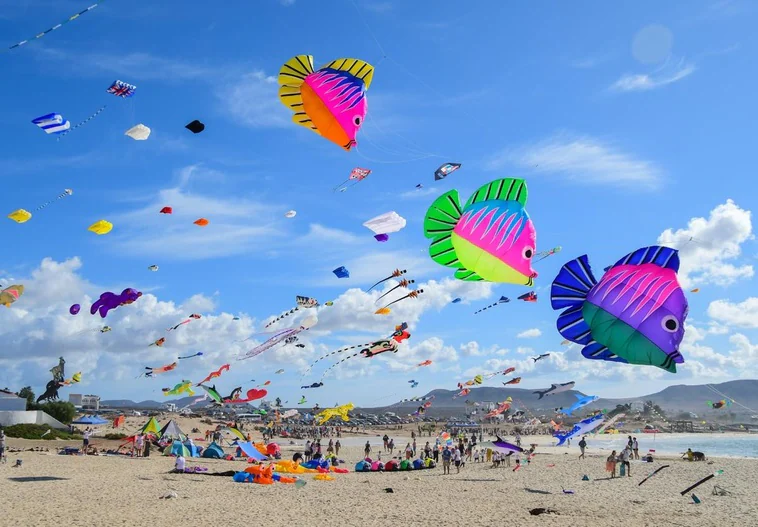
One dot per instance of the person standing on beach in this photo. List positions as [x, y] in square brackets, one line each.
[610, 464]
[3, 457]
[582, 446]
[635, 448]
[337, 447]
[139, 443]
[367, 449]
[386, 439]
[625, 455]
[85, 440]
[446, 456]
[629, 443]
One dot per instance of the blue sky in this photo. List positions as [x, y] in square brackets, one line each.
[627, 121]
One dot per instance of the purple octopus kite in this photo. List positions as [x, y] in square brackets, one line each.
[110, 301]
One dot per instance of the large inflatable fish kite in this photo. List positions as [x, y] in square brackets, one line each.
[330, 101]
[635, 314]
[490, 238]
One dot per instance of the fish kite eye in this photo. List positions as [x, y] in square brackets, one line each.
[357, 120]
[528, 252]
[670, 323]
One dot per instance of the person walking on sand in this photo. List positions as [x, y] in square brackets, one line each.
[3, 457]
[386, 439]
[457, 459]
[635, 448]
[337, 447]
[610, 464]
[446, 456]
[582, 446]
[367, 449]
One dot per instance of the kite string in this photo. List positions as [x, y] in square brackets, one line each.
[709, 386]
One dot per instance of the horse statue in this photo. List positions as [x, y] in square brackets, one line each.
[57, 371]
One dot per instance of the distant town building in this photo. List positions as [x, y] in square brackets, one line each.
[85, 402]
[638, 406]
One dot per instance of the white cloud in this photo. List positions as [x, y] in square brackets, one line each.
[252, 100]
[669, 74]
[471, 349]
[354, 309]
[236, 225]
[38, 329]
[743, 314]
[532, 333]
[582, 159]
[708, 246]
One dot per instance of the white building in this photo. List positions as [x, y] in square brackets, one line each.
[85, 402]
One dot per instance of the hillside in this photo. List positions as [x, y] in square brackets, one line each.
[687, 398]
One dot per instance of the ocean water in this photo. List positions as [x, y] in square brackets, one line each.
[716, 444]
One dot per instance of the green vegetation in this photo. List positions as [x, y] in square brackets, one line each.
[61, 410]
[26, 431]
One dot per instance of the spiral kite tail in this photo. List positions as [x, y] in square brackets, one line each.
[88, 119]
[282, 316]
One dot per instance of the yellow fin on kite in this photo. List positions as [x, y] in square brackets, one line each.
[295, 70]
[360, 69]
[382, 311]
[101, 227]
[20, 216]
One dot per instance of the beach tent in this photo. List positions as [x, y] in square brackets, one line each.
[91, 420]
[151, 427]
[250, 451]
[213, 451]
[177, 449]
[172, 431]
[194, 450]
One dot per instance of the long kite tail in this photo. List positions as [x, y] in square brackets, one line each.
[283, 315]
[341, 350]
[337, 364]
[403, 283]
[395, 274]
[88, 119]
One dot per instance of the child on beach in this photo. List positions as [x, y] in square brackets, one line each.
[610, 464]
[476, 456]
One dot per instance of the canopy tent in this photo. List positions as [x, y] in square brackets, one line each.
[92, 420]
[250, 451]
[213, 451]
[172, 431]
[151, 427]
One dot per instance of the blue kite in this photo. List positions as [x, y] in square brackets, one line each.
[341, 272]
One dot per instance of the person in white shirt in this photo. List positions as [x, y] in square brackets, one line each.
[180, 463]
[139, 444]
[85, 440]
[457, 460]
[625, 455]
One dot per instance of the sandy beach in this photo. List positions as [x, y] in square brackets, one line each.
[103, 490]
